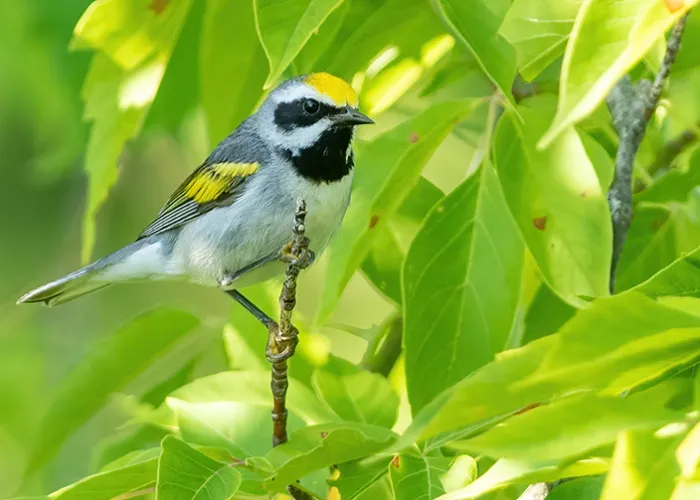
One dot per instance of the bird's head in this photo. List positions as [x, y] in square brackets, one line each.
[307, 109]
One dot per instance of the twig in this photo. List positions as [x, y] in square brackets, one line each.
[537, 491]
[283, 339]
[631, 108]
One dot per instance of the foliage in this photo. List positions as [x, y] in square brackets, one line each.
[471, 273]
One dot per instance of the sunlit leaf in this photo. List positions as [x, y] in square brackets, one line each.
[358, 477]
[387, 170]
[187, 474]
[643, 467]
[134, 44]
[458, 276]
[475, 23]
[505, 472]
[531, 435]
[313, 448]
[418, 477]
[633, 340]
[285, 26]
[360, 397]
[233, 65]
[133, 473]
[538, 30]
[106, 369]
[557, 201]
[608, 38]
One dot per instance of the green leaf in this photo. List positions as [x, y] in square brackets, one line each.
[459, 300]
[643, 465]
[388, 168]
[587, 488]
[134, 43]
[688, 454]
[384, 262]
[546, 314]
[360, 397]
[187, 474]
[313, 448]
[681, 277]
[475, 24]
[505, 472]
[650, 246]
[557, 201]
[675, 185]
[233, 65]
[363, 35]
[614, 345]
[241, 428]
[107, 369]
[284, 27]
[582, 423]
[608, 39]
[418, 477]
[538, 30]
[357, 477]
[133, 473]
[252, 388]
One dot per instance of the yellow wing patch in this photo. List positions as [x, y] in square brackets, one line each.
[213, 181]
[338, 90]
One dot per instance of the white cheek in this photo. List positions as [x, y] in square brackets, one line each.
[303, 137]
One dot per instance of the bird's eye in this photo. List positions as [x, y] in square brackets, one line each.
[311, 106]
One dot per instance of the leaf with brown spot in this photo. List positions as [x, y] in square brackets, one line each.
[414, 138]
[540, 222]
[373, 221]
[396, 461]
[158, 6]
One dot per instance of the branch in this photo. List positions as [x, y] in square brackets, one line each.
[537, 491]
[631, 108]
[283, 336]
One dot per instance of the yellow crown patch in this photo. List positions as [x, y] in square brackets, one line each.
[337, 89]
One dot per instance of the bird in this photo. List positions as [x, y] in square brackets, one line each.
[226, 225]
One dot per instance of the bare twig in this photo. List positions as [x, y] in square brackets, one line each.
[283, 338]
[631, 108]
[537, 491]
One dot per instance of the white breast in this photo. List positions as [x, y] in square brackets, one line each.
[258, 224]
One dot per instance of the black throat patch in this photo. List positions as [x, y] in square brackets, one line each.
[328, 159]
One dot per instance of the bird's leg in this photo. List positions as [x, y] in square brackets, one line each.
[302, 261]
[252, 309]
[274, 337]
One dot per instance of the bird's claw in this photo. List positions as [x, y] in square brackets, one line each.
[302, 261]
[288, 351]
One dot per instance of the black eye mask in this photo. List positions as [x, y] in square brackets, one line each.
[290, 115]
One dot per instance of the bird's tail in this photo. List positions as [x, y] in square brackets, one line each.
[95, 276]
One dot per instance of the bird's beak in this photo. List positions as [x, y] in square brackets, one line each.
[351, 116]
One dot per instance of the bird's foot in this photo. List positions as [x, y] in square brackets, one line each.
[226, 281]
[290, 344]
[302, 261]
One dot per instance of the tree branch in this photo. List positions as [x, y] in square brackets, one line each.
[631, 108]
[283, 337]
[672, 149]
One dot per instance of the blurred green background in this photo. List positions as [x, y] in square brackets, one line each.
[43, 186]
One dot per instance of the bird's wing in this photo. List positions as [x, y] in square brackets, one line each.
[209, 186]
